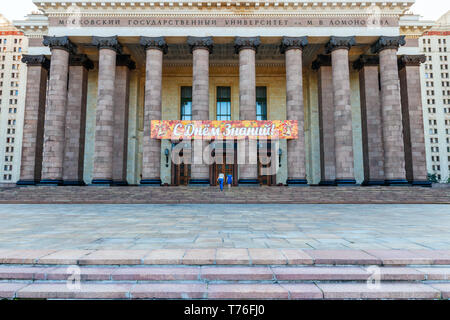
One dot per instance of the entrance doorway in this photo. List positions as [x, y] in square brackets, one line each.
[265, 162]
[228, 165]
[181, 173]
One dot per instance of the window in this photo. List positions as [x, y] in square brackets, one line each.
[186, 103]
[223, 103]
[261, 103]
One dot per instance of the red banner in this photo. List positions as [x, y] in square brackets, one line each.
[214, 129]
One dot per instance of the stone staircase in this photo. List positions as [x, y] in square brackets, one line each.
[279, 194]
[225, 274]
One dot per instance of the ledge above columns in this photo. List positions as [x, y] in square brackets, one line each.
[246, 43]
[62, 43]
[200, 42]
[36, 60]
[288, 43]
[366, 60]
[111, 43]
[385, 42]
[81, 60]
[158, 43]
[410, 60]
[340, 43]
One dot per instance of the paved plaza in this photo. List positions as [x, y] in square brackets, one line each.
[156, 226]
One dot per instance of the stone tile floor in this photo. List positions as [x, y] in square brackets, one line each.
[155, 226]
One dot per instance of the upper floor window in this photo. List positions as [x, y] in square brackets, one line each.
[223, 103]
[186, 103]
[261, 103]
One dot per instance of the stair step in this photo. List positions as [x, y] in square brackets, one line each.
[276, 194]
[386, 290]
[223, 273]
[223, 256]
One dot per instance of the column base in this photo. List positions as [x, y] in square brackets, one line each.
[150, 182]
[373, 183]
[74, 183]
[421, 183]
[345, 182]
[249, 182]
[327, 183]
[199, 182]
[51, 182]
[119, 183]
[297, 182]
[102, 182]
[27, 182]
[396, 182]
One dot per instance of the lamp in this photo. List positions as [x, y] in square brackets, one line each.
[280, 152]
[166, 152]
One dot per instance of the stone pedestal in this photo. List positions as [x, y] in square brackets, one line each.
[121, 107]
[200, 47]
[326, 120]
[394, 154]
[412, 115]
[371, 122]
[108, 47]
[293, 48]
[76, 120]
[343, 137]
[33, 127]
[55, 112]
[246, 48]
[155, 48]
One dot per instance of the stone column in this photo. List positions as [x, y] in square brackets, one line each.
[155, 48]
[200, 47]
[247, 47]
[33, 127]
[413, 131]
[371, 123]
[121, 106]
[326, 120]
[391, 110]
[55, 112]
[343, 138]
[76, 120]
[292, 47]
[108, 47]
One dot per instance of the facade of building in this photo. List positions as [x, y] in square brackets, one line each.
[343, 70]
[13, 75]
[435, 45]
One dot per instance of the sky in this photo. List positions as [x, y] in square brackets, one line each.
[429, 9]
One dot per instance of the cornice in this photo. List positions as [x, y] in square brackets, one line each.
[52, 5]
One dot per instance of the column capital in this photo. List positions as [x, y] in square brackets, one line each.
[200, 42]
[36, 60]
[340, 43]
[158, 43]
[124, 60]
[293, 43]
[410, 60]
[321, 60]
[62, 43]
[246, 43]
[366, 60]
[81, 60]
[111, 43]
[385, 42]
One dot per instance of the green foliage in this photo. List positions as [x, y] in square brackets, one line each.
[432, 177]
